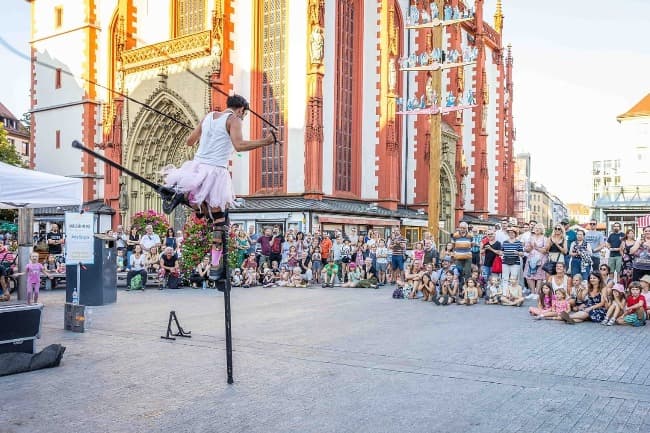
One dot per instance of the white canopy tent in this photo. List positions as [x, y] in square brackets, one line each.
[22, 188]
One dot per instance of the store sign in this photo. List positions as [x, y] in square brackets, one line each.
[79, 238]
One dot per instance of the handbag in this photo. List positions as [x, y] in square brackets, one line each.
[497, 265]
[549, 267]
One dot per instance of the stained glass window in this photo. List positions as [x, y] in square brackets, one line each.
[346, 56]
[274, 15]
[190, 17]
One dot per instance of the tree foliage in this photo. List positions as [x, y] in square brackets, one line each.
[8, 153]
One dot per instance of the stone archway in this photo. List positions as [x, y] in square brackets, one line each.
[157, 141]
[447, 196]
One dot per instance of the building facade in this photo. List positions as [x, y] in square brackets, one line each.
[630, 199]
[541, 205]
[17, 133]
[522, 187]
[330, 89]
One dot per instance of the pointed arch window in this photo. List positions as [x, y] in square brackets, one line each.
[188, 17]
[347, 101]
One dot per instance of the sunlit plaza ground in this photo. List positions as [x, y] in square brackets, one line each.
[329, 360]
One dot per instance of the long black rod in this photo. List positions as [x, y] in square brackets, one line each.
[203, 80]
[226, 301]
[77, 145]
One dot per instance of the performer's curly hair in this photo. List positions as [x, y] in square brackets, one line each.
[237, 101]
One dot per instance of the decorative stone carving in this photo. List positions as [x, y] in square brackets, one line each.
[316, 44]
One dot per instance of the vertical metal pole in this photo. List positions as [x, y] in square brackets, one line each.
[79, 282]
[226, 301]
[26, 246]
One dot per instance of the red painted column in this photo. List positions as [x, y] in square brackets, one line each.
[389, 155]
[314, 111]
[510, 131]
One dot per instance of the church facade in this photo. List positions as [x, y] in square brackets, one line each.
[130, 78]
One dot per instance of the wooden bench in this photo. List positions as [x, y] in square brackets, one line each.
[152, 279]
[49, 283]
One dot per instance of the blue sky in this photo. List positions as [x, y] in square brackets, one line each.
[577, 65]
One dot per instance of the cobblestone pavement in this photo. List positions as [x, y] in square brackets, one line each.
[330, 360]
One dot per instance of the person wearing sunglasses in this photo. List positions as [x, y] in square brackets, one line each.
[596, 241]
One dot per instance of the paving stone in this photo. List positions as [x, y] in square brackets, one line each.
[330, 360]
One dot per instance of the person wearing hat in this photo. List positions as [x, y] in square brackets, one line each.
[617, 305]
[439, 275]
[511, 252]
[236, 279]
[354, 276]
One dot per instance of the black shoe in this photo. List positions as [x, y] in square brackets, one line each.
[168, 205]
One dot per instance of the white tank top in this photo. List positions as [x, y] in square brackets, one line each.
[215, 145]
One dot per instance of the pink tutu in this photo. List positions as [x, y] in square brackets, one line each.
[202, 182]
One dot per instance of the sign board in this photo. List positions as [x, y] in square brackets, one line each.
[79, 238]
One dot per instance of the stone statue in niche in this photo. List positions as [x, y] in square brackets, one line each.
[434, 10]
[316, 43]
[124, 194]
[392, 75]
[216, 54]
[429, 90]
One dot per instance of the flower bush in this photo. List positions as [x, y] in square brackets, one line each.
[197, 242]
[159, 221]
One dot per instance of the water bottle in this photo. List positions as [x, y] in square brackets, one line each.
[75, 296]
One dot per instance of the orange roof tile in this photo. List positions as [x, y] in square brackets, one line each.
[641, 109]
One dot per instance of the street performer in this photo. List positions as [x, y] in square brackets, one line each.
[204, 182]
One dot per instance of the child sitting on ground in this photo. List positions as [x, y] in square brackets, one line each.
[493, 291]
[635, 308]
[428, 288]
[470, 292]
[617, 305]
[236, 280]
[296, 278]
[268, 280]
[480, 282]
[544, 303]
[560, 305]
[444, 296]
[577, 292]
[354, 276]
[250, 277]
[285, 277]
[513, 295]
[330, 271]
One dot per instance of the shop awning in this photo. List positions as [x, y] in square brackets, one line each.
[357, 220]
[640, 110]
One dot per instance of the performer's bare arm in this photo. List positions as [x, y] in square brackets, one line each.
[238, 141]
[195, 135]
